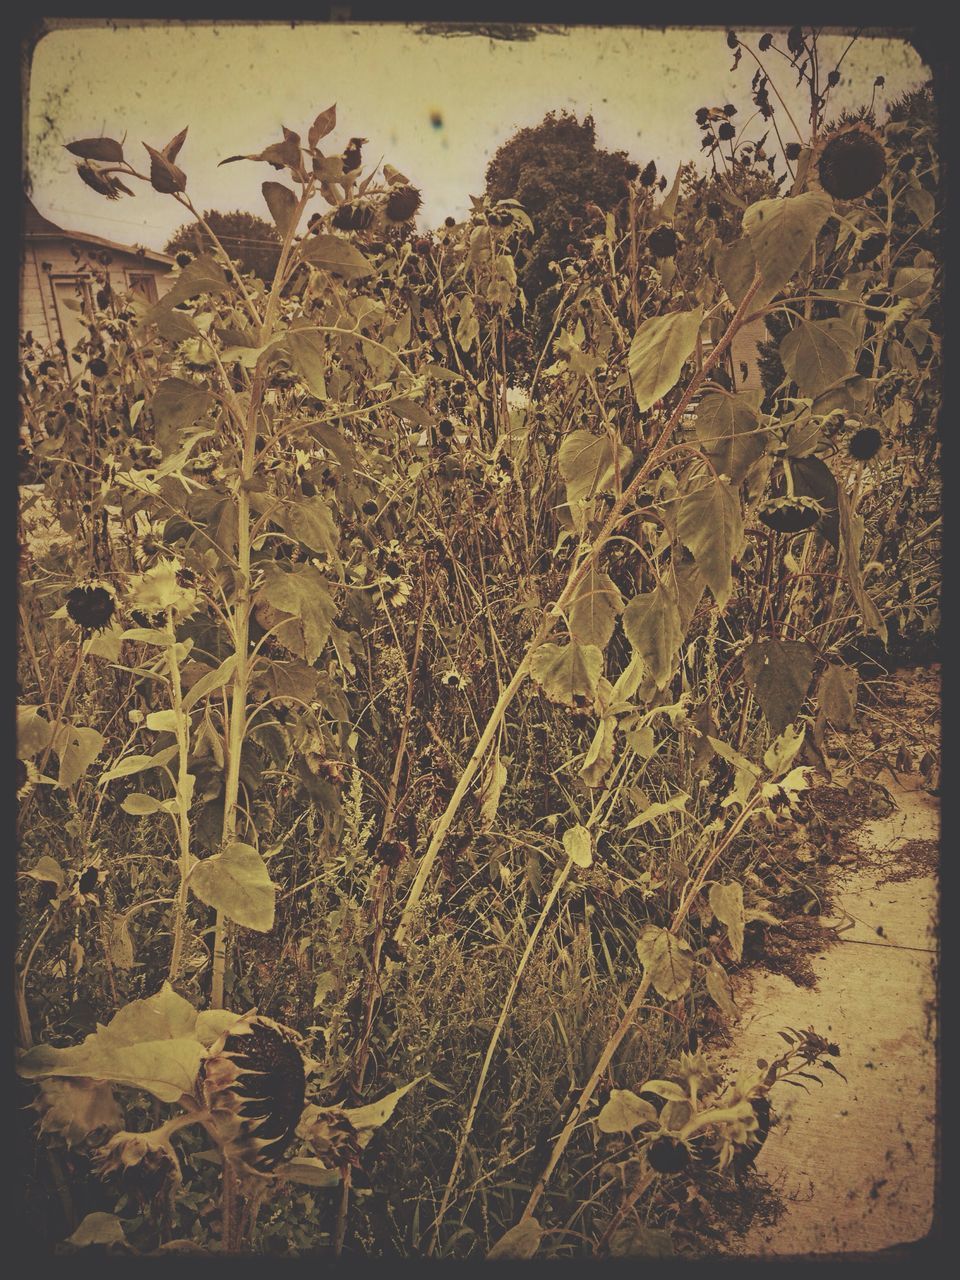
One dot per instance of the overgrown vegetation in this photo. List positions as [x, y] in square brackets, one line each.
[436, 685]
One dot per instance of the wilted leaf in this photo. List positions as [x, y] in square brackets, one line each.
[667, 960]
[335, 254]
[726, 903]
[98, 1228]
[779, 673]
[578, 845]
[851, 538]
[325, 123]
[594, 608]
[237, 883]
[636, 1241]
[282, 203]
[521, 1242]
[720, 990]
[623, 1111]
[837, 695]
[73, 1109]
[658, 352]
[599, 757]
[651, 622]
[490, 792]
[567, 672]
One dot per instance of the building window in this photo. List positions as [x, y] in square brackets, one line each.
[71, 297]
[144, 284]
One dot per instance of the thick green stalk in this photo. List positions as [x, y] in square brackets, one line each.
[183, 802]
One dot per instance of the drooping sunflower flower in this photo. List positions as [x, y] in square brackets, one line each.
[663, 242]
[791, 514]
[849, 162]
[331, 1135]
[253, 1083]
[402, 204]
[91, 606]
[864, 444]
[147, 1163]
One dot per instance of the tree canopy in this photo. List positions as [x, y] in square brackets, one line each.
[251, 241]
[556, 171]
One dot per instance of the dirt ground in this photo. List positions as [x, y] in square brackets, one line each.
[854, 1162]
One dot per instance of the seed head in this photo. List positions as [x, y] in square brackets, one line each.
[402, 204]
[864, 444]
[91, 606]
[253, 1082]
[663, 242]
[790, 515]
[851, 162]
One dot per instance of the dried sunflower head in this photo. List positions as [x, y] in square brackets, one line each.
[864, 444]
[253, 1083]
[663, 242]
[331, 1135]
[850, 161]
[146, 1162]
[667, 1154]
[402, 204]
[790, 515]
[91, 606]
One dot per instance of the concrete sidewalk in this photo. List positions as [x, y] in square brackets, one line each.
[855, 1162]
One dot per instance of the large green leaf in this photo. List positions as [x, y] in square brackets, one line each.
[309, 355]
[818, 353]
[567, 672]
[728, 428]
[237, 883]
[651, 622]
[710, 524]
[149, 1044]
[658, 352]
[77, 749]
[303, 592]
[594, 608]
[176, 405]
[667, 960]
[586, 463]
[782, 232]
[335, 254]
[368, 1118]
[779, 674]
[310, 521]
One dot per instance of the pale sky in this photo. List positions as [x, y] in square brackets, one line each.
[235, 84]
